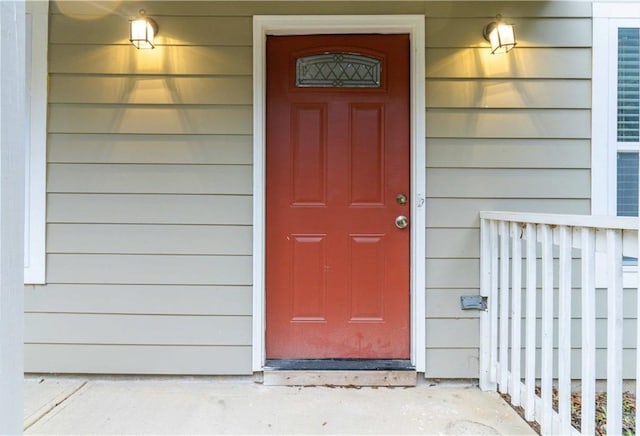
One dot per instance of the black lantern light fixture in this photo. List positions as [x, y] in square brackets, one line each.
[142, 31]
[500, 35]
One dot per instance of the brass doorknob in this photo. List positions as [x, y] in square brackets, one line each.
[402, 222]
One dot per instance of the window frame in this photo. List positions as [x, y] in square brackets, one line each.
[37, 24]
[607, 18]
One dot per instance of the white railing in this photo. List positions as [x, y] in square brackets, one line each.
[569, 253]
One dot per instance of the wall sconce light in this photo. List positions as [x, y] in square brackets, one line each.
[500, 35]
[142, 31]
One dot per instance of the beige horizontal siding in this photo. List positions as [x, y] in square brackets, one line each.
[149, 239]
[171, 60]
[452, 363]
[440, 333]
[445, 303]
[237, 90]
[508, 123]
[508, 153]
[176, 30]
[152, 149]
[457, 242]
[452, 333]
[72, 328]
[139, 299]
[464, 212]
[149, 269]
[234, 120]
[628, 310]
[230, 31]
[135, 359]
[528, 63]
[462, 9]
[149, 209]
[463, 362]
[452, 273]
[628, 363]
[516, 94]
[460, 272]
[150, 179]
[503, 133]
[540, 32]
[509, 183]
[233, 90]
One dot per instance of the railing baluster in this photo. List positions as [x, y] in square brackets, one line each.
[564, 331]
[493, 300]
[530, 353]
[588, 331]
[485, 315]
[504, 308]
[547, 329]
[516, 311]
[614, 332]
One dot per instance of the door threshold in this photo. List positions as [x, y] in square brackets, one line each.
[339, 372]
[333, 378]
[339, 365]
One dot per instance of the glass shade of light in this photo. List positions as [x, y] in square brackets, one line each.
[143, 32]
[501, 36]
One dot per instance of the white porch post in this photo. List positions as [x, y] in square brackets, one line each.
[12, 172]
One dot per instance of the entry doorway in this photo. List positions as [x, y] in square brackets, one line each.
[413, 25]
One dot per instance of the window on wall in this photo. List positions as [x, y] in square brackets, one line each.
[628, 120]
[616, 110]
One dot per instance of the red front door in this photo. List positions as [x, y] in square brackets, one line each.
[337, 166]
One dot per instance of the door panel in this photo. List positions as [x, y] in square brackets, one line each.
[367, 155]
[309, 154]
[308, 284]
[367, 277]
[337, 267]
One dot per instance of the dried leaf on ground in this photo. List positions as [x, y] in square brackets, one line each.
[628, 411]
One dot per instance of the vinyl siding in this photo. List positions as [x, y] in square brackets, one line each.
[149, 179]
[150, 239]
[150, 208]
[503, 133]
[149, 174]
[200, 300]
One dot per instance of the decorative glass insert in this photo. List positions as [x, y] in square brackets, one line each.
[628, 84]
[338, 70]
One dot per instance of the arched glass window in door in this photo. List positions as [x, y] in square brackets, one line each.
[338, 70]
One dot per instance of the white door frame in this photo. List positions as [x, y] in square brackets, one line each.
[342, 24]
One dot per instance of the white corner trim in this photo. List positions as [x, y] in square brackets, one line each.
[333, 24]
[600, 181]
[12, 165]
[37, 14]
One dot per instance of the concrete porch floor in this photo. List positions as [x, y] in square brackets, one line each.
[242, 405]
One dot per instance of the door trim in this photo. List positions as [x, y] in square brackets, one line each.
[342, 24]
